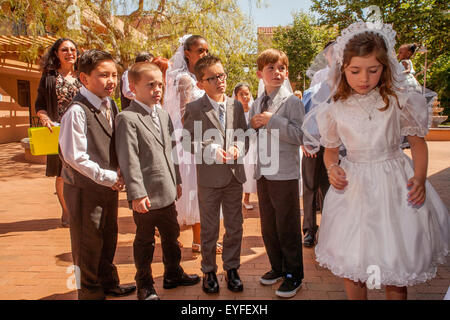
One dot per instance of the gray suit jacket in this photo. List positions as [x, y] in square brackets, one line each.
[145, 159]
[279, 141]
[202, 128]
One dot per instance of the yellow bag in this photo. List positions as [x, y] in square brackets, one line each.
[42, 141]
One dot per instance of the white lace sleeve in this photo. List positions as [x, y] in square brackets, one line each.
[414, 114]
[329, 137]
[320, 129]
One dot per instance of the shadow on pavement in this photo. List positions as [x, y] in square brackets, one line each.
[30, 225]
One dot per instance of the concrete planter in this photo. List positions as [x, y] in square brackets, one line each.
[438, 134]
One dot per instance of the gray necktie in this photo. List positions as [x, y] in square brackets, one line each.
[222, 115]
[155, 119]
[107, 107]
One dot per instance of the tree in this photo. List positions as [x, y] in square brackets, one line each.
[302, 41]
[125, 27]
[425, 22]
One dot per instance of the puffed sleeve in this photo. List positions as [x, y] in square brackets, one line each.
[320, 129]
[414, 114]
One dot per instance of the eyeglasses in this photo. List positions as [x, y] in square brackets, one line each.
[221, 77]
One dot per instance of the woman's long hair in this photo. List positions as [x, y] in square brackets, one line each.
[50, 60]
[363, 45]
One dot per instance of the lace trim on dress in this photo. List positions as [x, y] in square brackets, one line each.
[414, 131]
[387, 277]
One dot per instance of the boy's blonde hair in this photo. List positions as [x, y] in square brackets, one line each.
[271, 56]
[134, 74]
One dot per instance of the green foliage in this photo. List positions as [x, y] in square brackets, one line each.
[302, 41]
[425, 22]
[160, 24]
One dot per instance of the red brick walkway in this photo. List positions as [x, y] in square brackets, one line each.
[35, 256]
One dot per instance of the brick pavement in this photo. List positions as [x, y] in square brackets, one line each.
[35, 256]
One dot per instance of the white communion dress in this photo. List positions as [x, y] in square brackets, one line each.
[370, 224]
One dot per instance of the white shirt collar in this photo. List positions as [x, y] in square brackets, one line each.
[215, 104]
[91, 97]
[146, 107]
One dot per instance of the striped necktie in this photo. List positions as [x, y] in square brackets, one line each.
[155, 119]
[222, 115]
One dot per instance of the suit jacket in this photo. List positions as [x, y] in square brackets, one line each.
[145, 159]
[278, 156]
[199, 140]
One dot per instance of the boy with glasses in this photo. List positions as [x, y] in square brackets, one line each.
[220, 170]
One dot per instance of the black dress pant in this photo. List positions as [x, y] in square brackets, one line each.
[315, 186]
[93, 233]
[165, 219]
[279, 206]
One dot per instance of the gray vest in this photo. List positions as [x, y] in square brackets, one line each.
[100, 144]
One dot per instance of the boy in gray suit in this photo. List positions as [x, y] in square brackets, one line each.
[278, 116]
[216, 125]
[144, 149]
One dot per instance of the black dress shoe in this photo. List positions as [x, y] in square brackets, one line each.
[147, 294]
[120, 290]
[210, 283]
[234, 281]
[309, 240]
[184, 280]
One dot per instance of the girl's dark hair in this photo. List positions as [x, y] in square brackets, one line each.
[412, 47]
[329, 43]
[144, 57]
[192, 40]
[50, 60]
[239, 86]
[363, 45]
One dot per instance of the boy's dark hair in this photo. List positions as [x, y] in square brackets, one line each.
[91, 58]
[204, 63]
[144, 57]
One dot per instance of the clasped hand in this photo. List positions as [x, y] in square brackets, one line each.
[223, 156]
[337, 178]
[261, 119]
[120, 183]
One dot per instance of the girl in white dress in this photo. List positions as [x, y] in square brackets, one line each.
[405, 52]
[383, 223]
[181, 89]
[242, 93]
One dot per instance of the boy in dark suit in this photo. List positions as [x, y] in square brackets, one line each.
[144, 149]
[92, 177]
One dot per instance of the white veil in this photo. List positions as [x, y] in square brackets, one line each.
[262, 87]
[318, 71]
[328, 87]
[180, 85]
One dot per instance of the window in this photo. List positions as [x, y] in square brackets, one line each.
[23, 93]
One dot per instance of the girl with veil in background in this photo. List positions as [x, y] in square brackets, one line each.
[243, 94]
[382, 222]
[181, 89]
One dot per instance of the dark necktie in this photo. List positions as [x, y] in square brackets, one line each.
[265, 103]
